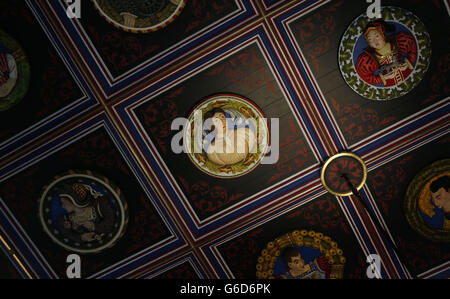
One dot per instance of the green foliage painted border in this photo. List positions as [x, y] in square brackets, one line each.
[23, 75]
[354, 31]
[411, 202]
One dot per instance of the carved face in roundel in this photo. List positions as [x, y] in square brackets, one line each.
[375, 40]
[297, 263]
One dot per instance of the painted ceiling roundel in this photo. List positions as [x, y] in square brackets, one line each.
[139, 16]
[14, 72]
[383, 59]
[427, 202]
[227, 136]
[83, 212]
[301, 254]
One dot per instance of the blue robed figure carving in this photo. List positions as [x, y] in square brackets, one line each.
[297, 266]
[436, 210]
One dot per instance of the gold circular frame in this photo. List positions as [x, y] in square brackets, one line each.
[331, 159]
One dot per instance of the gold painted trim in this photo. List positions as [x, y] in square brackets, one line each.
[331, 159]
[16, 258]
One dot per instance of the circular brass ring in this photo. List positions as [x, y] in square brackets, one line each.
[332, 159]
